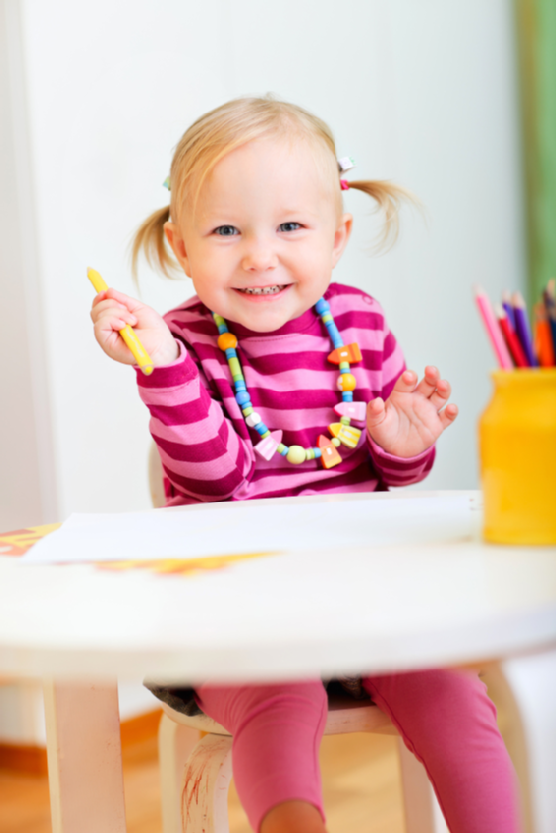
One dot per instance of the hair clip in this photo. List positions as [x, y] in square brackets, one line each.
[166, 183]
[344, 185]
[346, 163]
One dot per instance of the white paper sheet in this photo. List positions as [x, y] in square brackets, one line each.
[255, 526]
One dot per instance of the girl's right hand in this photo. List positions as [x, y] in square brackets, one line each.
[112, 310]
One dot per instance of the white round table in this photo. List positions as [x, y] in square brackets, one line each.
[317, 613]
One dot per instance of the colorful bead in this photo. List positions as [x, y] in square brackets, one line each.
[346, 381]
[230, 353]
[345, 433]
[329, 456]
[346, 353]
[317, 452]
[347, 396]
[261, 428]
[227, 341]
[242, 398]
[296, 455]
[269, 445]
[336, 441]
[252, 419]
[354, 410]
[345, 420]
[322, 307]
[334, 334]
[247, 411]
[327, 318]
[218, 320]
[235, 367]
[309, 454]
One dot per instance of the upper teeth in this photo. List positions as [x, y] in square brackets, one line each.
[262, 290]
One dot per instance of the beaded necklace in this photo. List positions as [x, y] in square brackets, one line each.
[343, 433]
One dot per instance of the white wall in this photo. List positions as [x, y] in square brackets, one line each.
[423, 93]
[27, 468]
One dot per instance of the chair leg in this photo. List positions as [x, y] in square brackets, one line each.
[532, 680]
[204, 801]
[421, 809]
[175, 744]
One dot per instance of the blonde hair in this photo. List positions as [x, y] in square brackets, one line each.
[228, 127]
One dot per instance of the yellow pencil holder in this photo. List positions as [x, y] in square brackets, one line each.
[517, 438]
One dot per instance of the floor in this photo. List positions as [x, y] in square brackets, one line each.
[360, 776]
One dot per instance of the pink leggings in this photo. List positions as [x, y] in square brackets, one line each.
[444, 717]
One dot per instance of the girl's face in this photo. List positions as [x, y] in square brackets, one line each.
[264, 239]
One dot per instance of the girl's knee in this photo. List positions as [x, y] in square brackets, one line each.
[233, 706]
[433, 696]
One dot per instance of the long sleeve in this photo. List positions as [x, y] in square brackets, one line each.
[203, 457]
[401, 471]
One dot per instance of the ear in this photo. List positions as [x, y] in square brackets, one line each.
[177, 244]
[341, 237]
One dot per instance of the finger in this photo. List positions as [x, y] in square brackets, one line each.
[448, 415]
[114, 318]
[429, 382]
[406, 382]
[441, 394]
[376, 412]
[129, 303]
[98, 298]
[108, 306]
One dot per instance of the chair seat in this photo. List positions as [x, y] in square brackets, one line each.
[344, 715]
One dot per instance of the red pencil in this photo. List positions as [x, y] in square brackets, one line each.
[510, 338]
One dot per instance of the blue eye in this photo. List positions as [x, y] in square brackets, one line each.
[226, 231]
[289, 226]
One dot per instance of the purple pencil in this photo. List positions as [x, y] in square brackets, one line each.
[522, 328]
[508, 309]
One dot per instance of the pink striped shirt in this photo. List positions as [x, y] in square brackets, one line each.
[206, 448]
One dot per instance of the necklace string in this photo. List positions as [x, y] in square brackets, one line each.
[343, 433]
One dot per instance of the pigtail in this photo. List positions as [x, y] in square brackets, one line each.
[389, 198]
[150, 240]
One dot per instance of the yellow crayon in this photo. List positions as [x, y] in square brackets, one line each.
[140, 354]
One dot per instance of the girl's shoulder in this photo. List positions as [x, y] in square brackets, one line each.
[191, 308]
[191, 315]
[351, 302]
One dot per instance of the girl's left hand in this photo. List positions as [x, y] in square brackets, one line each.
[413, 416]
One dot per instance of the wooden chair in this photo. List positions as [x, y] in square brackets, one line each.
[195, 753]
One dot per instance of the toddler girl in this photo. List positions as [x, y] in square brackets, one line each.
[272, 381]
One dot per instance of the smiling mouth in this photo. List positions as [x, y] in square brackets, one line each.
[262, 290]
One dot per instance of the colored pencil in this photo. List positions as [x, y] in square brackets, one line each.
[493, 329]
[509, 310]
[543, 337]
[522, 328]
[127, 333]
[510, 338]
[550, 304]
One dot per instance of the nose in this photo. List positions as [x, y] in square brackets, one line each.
[259, 255]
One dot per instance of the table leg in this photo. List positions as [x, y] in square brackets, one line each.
[84, 757]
